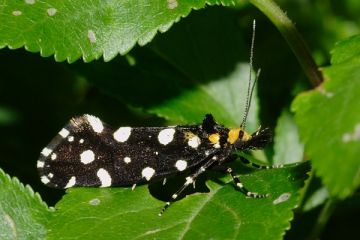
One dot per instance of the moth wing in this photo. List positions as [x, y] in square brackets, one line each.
[88, 152]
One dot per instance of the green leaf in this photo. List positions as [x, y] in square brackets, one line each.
[329, 125]
[88, 29]
[23, 215]
[287, 146]
[316, 199]
[124, 214]
[346, 49]
[224, 98]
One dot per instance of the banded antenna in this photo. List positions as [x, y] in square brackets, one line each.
[251, 88]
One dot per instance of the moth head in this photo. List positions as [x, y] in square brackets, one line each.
[245, 141]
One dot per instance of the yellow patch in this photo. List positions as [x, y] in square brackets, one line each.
[214, 138]
[233, 135]
[246, 137]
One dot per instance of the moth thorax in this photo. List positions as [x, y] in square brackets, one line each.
[236, 133]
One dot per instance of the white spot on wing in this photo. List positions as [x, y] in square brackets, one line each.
[166, 136]
[95, 123]
[122, 134]
[81, 141]
[70, 138]
[127, 160]
[64, 133]
[53, 156]
[16, 13]
[40, 164]
[87, 156]
[104, 177]
[45, 179]
[92, 37]
[282, 198]
[181, 165]
[194, 141]
[172, 4]
[50, 175]
[147, 173]
[71, 182]
[46, 152]
[51, 11]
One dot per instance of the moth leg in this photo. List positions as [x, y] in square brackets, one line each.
[258, 166]
[189, 180]
[237, 182]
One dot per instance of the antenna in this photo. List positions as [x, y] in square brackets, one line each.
[251, 88]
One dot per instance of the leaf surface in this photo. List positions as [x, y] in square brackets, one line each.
[329, 124]
[23, 215]
[122, 213]
[346, 49]
[88, 29]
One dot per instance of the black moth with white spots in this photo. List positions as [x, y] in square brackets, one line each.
[88, 152]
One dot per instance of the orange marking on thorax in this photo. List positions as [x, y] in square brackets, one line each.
[246, 137]
[214, 138]
[234, 134]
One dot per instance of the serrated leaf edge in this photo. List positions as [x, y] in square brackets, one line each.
[140, 41]
[24, 188]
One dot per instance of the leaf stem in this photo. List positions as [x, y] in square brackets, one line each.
[323, 218]
[293, 38]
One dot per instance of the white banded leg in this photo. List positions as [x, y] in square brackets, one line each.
[237, 182]
[257, 166]
[241, 186]
[189, 180]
